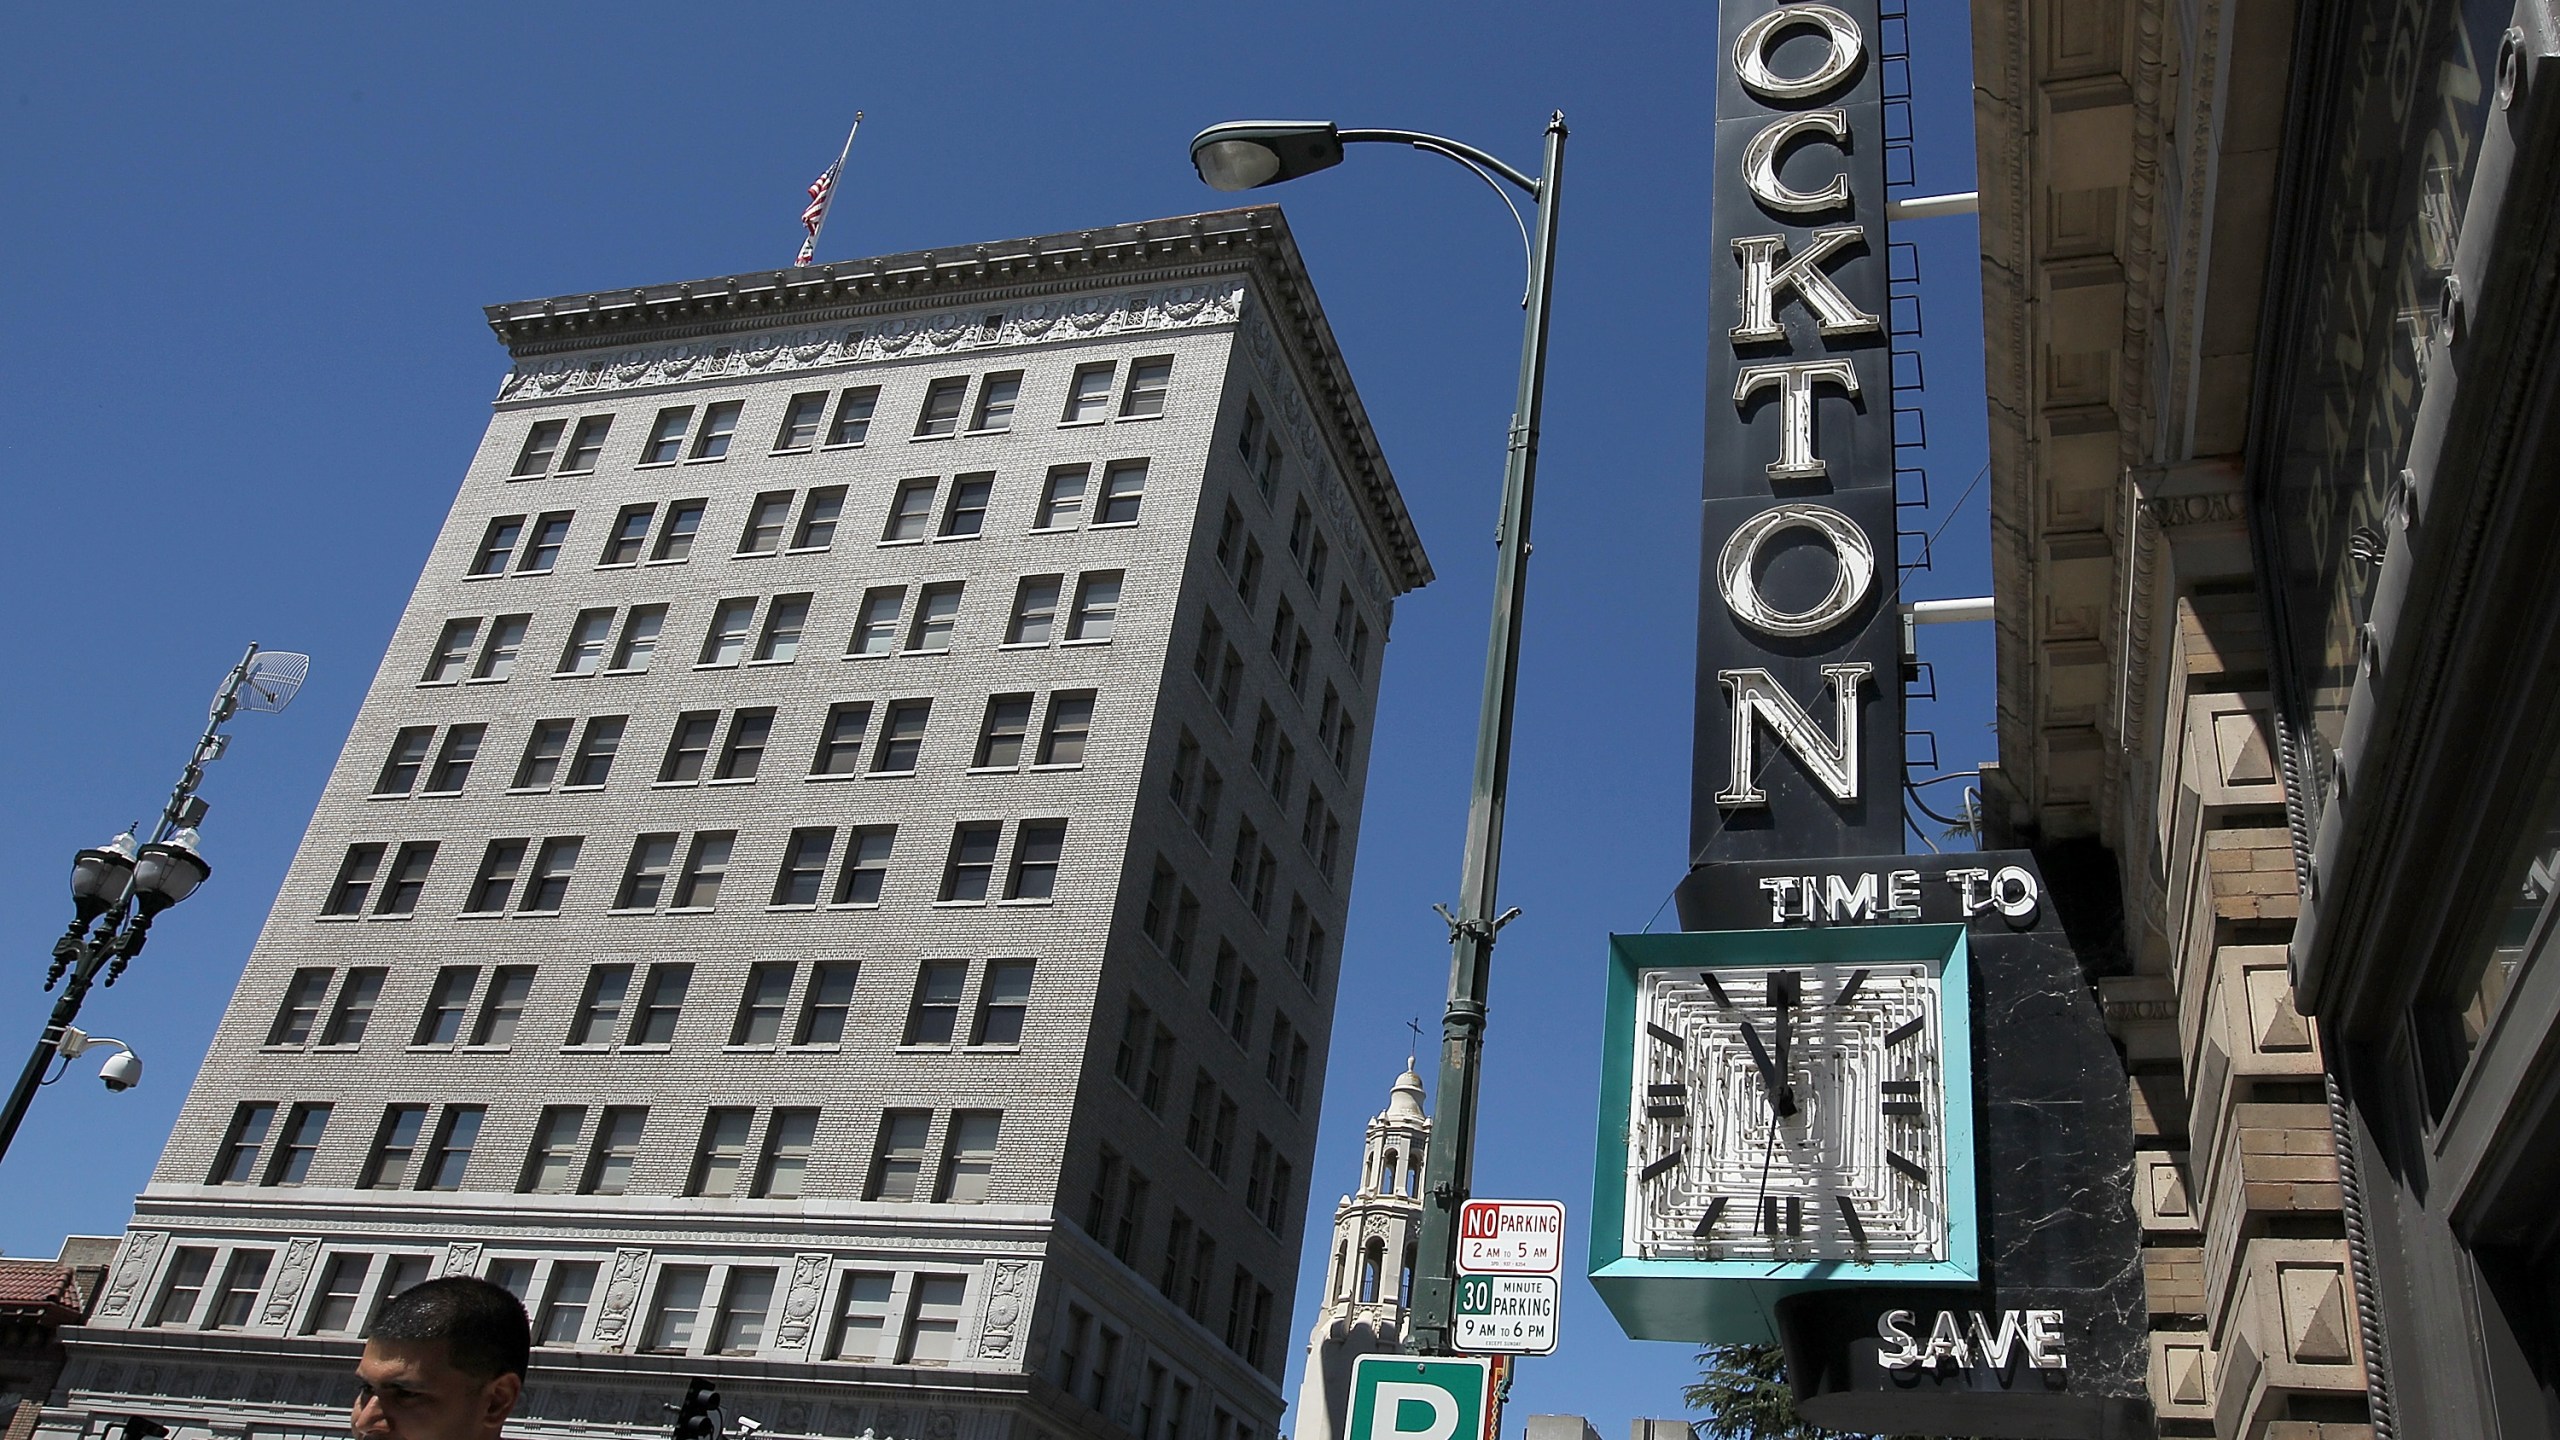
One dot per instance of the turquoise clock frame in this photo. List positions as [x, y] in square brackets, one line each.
[1734, 1301]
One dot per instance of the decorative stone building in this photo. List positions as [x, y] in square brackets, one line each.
[1368, 1289]
[2270, 318]
[836, 883]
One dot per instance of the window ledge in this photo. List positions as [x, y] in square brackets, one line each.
[1024, 645]
[680, 560]
[690, 909]
[810, 549]
[1103, 640]
[438, 794]
[970, 535]
[945, 650]
[482, 915]
[959, 904]
[1058, 767]
[754, 554]
[730, 780]
[487, 680]
[1084, 424]
[436, 684]
[944, 435]
[484, 575]
[658, 1048]
[1013, 769]
[1124, 419]
[653, 465]
[626, 670]
[891, 774]
[586, 1049]
[632, 910]
[715, 664]
[538, 913]
[788, 450]
[845, 444]
[388, 795]
[769, 662]
[833, 775]
[1027, 902]
[528, 789]
[807, 908]
[706, 459]
[673, 784]
[766, 1049]
[853, 904]
[425, 1047]
[1113, 525]
[581, 789]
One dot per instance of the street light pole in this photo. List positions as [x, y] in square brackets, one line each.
[1251, 153]
[119, 888]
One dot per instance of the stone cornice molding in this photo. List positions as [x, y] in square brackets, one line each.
[2144, 263]
[1193, 271]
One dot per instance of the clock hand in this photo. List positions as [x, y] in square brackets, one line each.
[1782, 998]
[1768, 1069]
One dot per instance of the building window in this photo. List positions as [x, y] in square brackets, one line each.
[499, 865]
[564, 1309]
[453, 648]
[300, 1010]
[1035, 610]
[745, 1304]
[766, 520]
[719, 422]
[543, 747]
[395, 1141]
[341, 1286]
[408, 756]
[800, 420]
[354, 1012]
[241, 1145]
[853, 416]
[725, 643]
[996, 397]
[586, 443]
[661, 1003]
[862, 1316]
[1089, 393]
[645, 877]
[453, 760]
[502, 1007]
[629, 536]
[804, 866]
[900, 1158]
[1037, 845]
[818, 519]
[639, 643]
[840, 739]
[721, 1158]
[400, 1273]
[1148, 380]
[760, 1005]
[616, 1150]
[789, 1139]
[539, 443]
[599, 1012]
[548, 885]
[828, 1000]
[1061, 499]
[875, 627]
[1070, 719]
[971, 863]
[933, 1321]
[450, 1155]
[966, 514]
[236, 1304]
[498, 653]
[675, 538]
[551, 1165]
[1003, 997]
[678, 1307]
[1124, 487]
[933, 1016]
[666, 436]
[596, 749]
[178, 1298]
[441, 1022]
[1000, 737]
[784, 623]
[937, 614]
[497, 545]
[355, 881]
[1097, 605]
[943, 400]
[866, 864]
[687, 746]
[911, 511]
[542, 552]
[742, 753]
[901, 737]
[969, 1168]
[698, 888]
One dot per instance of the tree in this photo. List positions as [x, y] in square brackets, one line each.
[1743, 1389]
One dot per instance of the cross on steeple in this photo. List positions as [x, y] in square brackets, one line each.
[1414, 1025]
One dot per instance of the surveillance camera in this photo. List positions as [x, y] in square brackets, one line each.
[747, 1426]
[122, 1071]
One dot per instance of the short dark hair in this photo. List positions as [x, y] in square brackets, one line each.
[483, 1323]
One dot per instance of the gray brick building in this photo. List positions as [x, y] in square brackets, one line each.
[837, 883]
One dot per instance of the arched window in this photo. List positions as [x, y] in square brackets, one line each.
[1387, 1174]
[1372, 1256]
[1341, 1268]
[1413, 1175]
[1404, 1282]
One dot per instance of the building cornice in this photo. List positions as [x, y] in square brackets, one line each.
[1168, 270]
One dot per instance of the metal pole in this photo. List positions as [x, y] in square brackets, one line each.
[1451, 1158]
[65, 1010]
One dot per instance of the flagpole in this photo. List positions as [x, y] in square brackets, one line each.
[809, 247]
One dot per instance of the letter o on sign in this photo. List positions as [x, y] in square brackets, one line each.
[1849, 586]
[2014, 891]
[1751, 52]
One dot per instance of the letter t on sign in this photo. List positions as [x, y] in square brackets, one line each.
[1794, 379]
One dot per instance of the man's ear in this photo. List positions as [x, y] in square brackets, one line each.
[498, 1401]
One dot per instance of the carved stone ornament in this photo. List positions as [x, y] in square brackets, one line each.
[290, 1278]
[462, 1257]
[621, 1296]
[1000, 1335]
[1163, 307]
[800, 1301]
[1292, 414]
[141, 1256]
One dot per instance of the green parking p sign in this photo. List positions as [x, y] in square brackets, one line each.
[1407, 1397]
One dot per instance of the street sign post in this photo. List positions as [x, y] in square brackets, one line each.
[1511, 1237]
[1420, 1397]
[1506, 1314]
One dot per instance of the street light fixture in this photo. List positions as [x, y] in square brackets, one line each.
[1243, 155]
[119, 888]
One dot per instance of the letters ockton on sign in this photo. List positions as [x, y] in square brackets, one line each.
[1803, 226]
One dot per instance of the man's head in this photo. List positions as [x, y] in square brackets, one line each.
[443, 1361]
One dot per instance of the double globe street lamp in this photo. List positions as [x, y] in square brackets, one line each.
[118, 889]
[1245, 154]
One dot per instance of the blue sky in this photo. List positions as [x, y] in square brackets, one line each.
[246, 366]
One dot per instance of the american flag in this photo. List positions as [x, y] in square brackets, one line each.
[822, 193]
